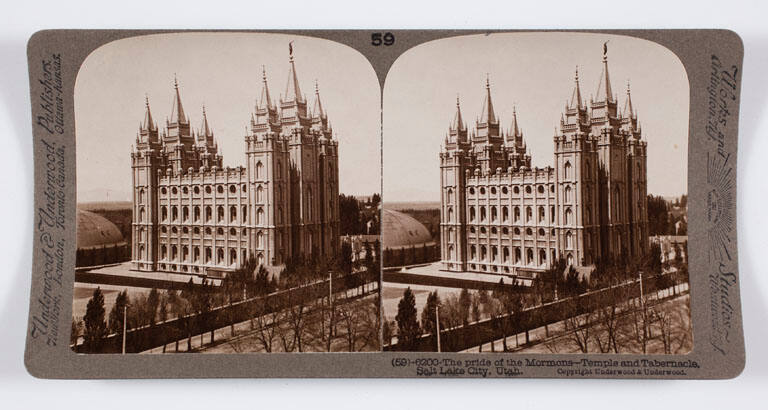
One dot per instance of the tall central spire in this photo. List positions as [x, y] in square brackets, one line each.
[292, 90]
[487, 115]
[177, 111]
[205, 130]
[604, 91]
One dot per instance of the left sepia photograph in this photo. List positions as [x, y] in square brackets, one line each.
[228, 196]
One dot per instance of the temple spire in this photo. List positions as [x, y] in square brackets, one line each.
[266, 101]
[515, 130]
[149, 123]
[487, 115]
[604, 92]
[317, 111]
[576, 96]
[292, 89]
[458, 121]
[205, 130]
[177, 111]
[629, 111]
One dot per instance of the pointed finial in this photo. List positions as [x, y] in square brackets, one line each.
[457, 99]
[627, 86]
[290, 50]
[605, 50]
[317, 87]
[146, 99]
[175, 81]
[487, 80]
[577, 73]
[263, 72]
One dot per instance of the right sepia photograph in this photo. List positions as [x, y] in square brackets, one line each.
[535, 196]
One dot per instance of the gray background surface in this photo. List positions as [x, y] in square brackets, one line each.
[21, 19]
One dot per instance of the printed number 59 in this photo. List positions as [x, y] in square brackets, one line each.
[378, 39]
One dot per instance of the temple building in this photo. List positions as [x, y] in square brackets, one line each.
[191, 214]
[500, 215]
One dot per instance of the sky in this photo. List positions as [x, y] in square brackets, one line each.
[533, 72]
[224, 72]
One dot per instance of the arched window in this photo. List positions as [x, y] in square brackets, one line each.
[208, 213]
[569, 260]
[472, 213]
[185, 213]
[567, 170]
[184, 253]
[542, 257]
[494, 253]
[174, 213]
[260, 240]
[568, 216]
[233, 231]
[504, 213]
[208, 254]
[163, 252]
[141, 252]
[552, 214]
[244, 213]
[517, 214]
[569, 240]
[450, 252]
[505, 254]
[494, 214]
[482, 214]
[567, 194]
[196, 254]
[529, 257]
[142, 214]
[141, 196]
[259, 170]
[196, 213]
[174, 252]
[219, 213]
[541, 214]
[449, 196]
[450, 215]
[528, 214]
[232, 256]
[483, 252]
[232, 213]
[518, 255]
[472, 252]
[219, 256]
[260, 216]
[260, 259]
[259, 194]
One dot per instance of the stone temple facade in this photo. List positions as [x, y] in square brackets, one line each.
[499, 215]
[191, 215]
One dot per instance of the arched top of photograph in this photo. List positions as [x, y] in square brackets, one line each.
[517, 88]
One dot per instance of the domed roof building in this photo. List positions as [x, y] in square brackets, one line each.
[99, 241]
[406, 241]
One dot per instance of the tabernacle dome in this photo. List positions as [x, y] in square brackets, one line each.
[406, 241]
[99, 241]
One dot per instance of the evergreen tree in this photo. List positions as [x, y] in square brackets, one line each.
[153, 302]
[407, 324]
[428, 320]
[465, 304]
[95, 326]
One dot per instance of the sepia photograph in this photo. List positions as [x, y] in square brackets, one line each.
[228, 196]
[535, 196]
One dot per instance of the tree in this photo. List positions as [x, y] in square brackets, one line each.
[407, 325]
[95, 326]
[465, 304]
[117, 313]
[428, 318]
[77, 327]
[153, 302]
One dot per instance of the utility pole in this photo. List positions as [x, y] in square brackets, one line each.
[437, 326]
[125, 322]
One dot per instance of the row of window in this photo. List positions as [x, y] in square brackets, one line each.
[505, 231]
[504, 190]
[200, 254]
[221, 215]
